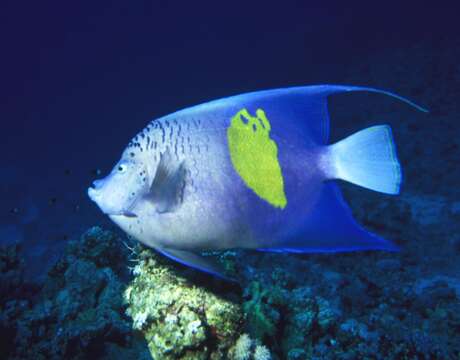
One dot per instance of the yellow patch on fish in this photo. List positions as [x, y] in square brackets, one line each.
[255, 156]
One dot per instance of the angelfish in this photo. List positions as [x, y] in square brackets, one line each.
[251, 171]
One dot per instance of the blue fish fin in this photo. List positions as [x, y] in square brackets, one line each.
[368, 159]
[316, 102]
[196, 261]
[330, 228]
[167, 187]
[346, 88]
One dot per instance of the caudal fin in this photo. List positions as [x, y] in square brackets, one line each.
[367, 158]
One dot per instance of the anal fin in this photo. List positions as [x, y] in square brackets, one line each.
[195, 260]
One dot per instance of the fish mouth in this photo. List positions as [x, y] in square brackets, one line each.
[93, 194]
[125, 214]
[129, 214]
[93, 190]
[121, 217]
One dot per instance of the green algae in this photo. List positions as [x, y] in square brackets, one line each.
[262, 309]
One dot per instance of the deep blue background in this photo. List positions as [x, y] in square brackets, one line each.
[79, 78]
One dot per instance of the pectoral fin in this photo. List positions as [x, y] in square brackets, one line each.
[197, 261]
[167, 189]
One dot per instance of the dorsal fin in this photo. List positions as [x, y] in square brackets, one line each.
[304, 103]
[314, 101]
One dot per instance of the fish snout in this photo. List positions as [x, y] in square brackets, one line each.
[97, 184]
[94, 191]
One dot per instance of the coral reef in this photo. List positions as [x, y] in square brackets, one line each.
[262, 353]
[91, 307]
[341, 306]
[178, 318]
[242, 348]
[309, 318]
[11, 269]
[79, 311]
[247, 349]
[11, 281]
[298, 317]
[262, 309]
[354, 307]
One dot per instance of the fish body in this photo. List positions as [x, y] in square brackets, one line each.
[249, 171]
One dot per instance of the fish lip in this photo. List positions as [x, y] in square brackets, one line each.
[92, 194]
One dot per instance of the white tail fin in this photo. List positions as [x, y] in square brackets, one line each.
[367, 158]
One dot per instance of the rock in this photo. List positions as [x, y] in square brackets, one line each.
[438, 281]
[388, 264]
[426, 210]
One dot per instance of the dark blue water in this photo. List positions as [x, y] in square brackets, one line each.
[79, 79]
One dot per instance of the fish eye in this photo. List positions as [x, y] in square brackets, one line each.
[122, 168]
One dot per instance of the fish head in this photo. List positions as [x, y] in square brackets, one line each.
[118, 192]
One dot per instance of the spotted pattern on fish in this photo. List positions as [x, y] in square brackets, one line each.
[188, 140]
